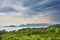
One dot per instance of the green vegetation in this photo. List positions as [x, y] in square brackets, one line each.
[50, 33]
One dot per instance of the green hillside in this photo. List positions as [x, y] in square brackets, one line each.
[50, 33]
[56, 25]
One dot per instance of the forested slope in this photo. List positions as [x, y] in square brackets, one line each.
[49, 33]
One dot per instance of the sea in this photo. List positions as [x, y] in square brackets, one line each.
[18, 28]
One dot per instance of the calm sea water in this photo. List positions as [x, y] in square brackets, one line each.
[17, 28]
[11, 28]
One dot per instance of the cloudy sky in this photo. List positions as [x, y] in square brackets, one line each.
[29, 11]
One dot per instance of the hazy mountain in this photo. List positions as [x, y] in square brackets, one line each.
[11, 26]
[56, 25]
[41, 24]
[28, 25]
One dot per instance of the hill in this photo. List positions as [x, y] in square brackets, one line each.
[56, 25]
[50, 33]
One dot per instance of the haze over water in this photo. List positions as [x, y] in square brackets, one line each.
[17, 28]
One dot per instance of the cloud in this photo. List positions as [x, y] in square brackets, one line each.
[7, 9]
[41, 6]
[31, 2]
[55, 16]
[10, 19]
[52, 7]
[29, 11]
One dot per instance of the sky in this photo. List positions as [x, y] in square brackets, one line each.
[15, 12]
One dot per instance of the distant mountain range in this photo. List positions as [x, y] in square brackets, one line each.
[23, 25]
[11, 26]
[56, 25]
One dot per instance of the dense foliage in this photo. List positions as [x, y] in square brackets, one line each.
[50, 33]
